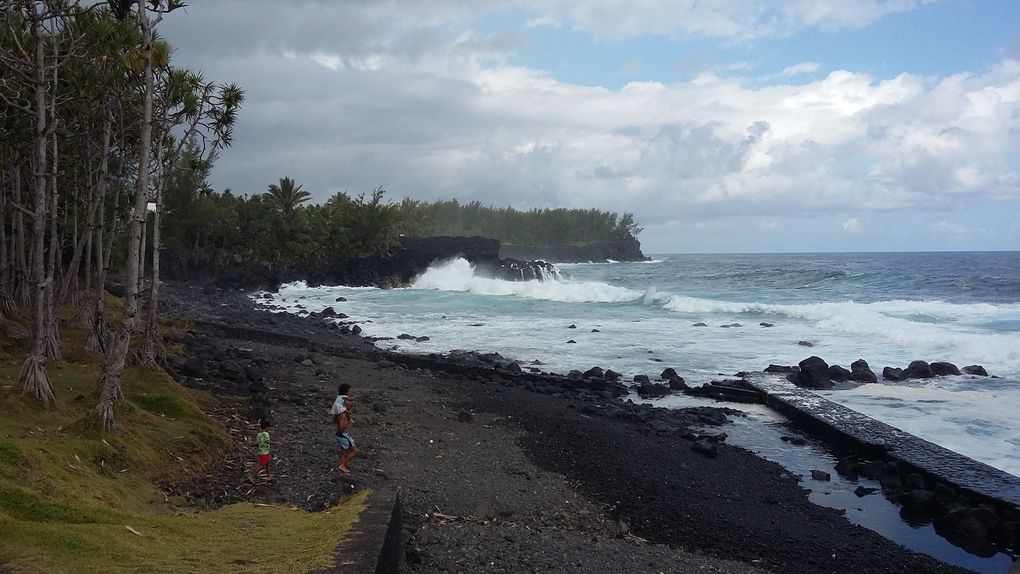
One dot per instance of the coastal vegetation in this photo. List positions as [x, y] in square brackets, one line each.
[281, 225]
[96, 121]
[76, 499]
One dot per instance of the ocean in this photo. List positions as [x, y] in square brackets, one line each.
[638, 318]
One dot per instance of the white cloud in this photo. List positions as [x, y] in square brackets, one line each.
[346, 98]
[737, 19]
[801, 68]
[851, 225]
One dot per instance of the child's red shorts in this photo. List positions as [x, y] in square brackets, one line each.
[263, 459]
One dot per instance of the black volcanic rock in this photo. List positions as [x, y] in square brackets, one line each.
[944, 369]
[892, 374]
[813, 374]
[861, 372]
[975, 370]
[918, 370]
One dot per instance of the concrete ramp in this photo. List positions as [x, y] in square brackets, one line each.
[868, 434]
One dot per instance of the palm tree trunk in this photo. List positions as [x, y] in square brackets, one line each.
[153, 344]
[109, 383]
[6, 303]
[33, 379]
[53, 327]
[96, 198]
[22, 294]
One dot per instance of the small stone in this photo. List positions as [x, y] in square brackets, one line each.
[862, 491]
[821, 475]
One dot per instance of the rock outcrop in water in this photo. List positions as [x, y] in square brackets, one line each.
[814, 373]
[409, 258]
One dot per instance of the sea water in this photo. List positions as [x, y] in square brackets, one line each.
[639, 318]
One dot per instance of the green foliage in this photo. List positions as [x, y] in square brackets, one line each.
[542, 227]
[68, 493]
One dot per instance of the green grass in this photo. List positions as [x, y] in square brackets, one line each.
[71, 495]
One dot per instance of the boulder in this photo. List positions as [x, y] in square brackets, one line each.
[340, 299]
[699, 325]
[405, 337]
[971, 528]
[820, 475]
[356, 330]
[194, 367]
[918, 370]
[676, 382]
[893, 374]
[706, 447]
[918, 501]
[785, 369]
[594, 373]
[975, 370]
[766, 324]
[944, 369]
[328, 312]
[649, 390]
[838, 373]
[612, 376]
[861, 372]
[849, 466]
[862, 491]
[813, 374]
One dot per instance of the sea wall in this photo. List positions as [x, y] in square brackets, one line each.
[617, 250]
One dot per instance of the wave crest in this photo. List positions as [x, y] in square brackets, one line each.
[459, 275]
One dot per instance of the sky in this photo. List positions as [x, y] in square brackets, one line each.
[723, 125]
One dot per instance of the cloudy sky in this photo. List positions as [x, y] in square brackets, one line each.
[724, 125]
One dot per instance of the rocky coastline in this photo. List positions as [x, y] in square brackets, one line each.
[397, 268]
[474, 508]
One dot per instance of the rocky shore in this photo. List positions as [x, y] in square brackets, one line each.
[500, 470]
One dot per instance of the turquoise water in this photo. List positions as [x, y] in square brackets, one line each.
[638, 318]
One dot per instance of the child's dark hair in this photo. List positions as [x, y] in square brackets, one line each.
[343, 389]
[264, 423]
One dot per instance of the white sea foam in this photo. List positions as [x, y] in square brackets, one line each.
[936, 329]
[624, 324]
[459, 275]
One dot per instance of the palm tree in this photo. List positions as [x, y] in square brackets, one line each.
[286, 196]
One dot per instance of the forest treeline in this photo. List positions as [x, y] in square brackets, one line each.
[95, 121]
[281, 225]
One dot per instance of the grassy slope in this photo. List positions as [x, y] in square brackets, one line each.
[68, 493]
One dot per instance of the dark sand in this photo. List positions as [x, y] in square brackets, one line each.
[495, 478]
